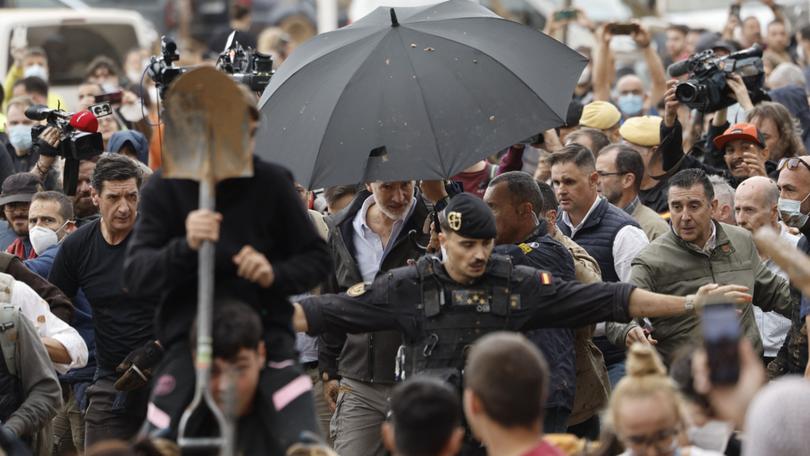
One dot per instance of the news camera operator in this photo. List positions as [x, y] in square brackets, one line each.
[266, 250]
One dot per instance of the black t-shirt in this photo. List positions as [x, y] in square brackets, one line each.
[87, 261]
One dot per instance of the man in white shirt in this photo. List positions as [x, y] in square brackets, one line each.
[607, 233]
[755, 206]
[65, 346]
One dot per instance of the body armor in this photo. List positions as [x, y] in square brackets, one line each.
[455, 317]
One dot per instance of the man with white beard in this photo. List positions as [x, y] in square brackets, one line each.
[369, 236]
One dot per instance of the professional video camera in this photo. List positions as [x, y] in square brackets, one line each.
[707, 90]
[246, 66]
[79, 139]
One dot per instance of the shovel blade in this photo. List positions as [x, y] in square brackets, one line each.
[207, 128]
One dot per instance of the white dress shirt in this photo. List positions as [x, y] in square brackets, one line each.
[37, 311]
[773, 328]
[629, 242]
[369, 251]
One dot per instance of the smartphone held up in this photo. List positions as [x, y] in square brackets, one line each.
[721, 339]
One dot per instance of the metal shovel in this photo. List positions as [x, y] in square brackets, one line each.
[207, 129]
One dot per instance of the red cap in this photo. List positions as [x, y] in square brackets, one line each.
[745, 131]
[84, 121]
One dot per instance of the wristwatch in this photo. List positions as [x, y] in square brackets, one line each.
[689, 303]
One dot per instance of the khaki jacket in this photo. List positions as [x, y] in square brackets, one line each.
[653, 224]
[672, 266]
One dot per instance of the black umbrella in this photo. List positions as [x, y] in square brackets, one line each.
[413, 93]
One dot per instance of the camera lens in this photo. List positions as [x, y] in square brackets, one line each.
[686, 92]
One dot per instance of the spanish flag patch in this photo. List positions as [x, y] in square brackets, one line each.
[545, 278]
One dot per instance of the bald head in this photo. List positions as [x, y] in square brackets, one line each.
[630, 83]
[755, 203]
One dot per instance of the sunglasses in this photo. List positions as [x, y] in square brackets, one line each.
[791, 164]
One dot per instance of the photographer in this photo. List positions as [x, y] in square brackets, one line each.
[630, 95]
[739, 158]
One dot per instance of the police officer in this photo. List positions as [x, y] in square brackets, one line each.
[471, 292]
[514, 198]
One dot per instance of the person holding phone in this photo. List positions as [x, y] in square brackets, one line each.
[629, 93]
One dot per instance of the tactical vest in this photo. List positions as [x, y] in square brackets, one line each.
[11, 395]
[454, 318]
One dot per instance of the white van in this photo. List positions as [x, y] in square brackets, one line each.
[72, 38]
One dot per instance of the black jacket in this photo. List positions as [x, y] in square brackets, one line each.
[542, 252]
[263, 211]
[366, 357]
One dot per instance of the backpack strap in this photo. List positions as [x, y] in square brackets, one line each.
[9, 318]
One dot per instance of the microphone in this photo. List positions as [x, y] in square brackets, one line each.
[678, 68]
[84, 121]
[37, 112]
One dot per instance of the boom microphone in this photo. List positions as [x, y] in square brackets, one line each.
[678, 68]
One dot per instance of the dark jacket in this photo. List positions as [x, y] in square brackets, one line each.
[263, 211]
[365, 357]
[60, 305]
[675, 160]
[542, 252]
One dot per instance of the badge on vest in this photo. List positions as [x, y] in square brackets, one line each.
[358, 289]
[528, 247]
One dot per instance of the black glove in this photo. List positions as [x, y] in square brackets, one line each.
[136, 369]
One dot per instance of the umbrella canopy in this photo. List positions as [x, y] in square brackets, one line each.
[413, 93]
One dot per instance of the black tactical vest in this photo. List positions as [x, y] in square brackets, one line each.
[455, 317]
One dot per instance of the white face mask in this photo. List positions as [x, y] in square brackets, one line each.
[37, 71]
[713, 435]
[42, 238]
[132, 112]
[791, 212]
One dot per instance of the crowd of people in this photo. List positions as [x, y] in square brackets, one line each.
[546, 300]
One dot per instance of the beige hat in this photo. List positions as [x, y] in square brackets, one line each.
[642, 131]
[601, 115]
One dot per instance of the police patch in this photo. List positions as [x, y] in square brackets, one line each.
[356, 290]
[528, 247]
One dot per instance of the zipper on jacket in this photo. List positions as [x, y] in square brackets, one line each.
[371, 357]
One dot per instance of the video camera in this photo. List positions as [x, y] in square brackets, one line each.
[245, 66]
[707, 90]
[79, 139]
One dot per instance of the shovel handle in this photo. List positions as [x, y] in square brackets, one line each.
[203, 358]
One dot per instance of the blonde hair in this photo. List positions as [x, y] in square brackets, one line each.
[646, 377]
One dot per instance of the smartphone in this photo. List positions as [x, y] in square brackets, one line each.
[734, 10]
[625, 28]
[112, 97]
[565, 15]
[721, 338]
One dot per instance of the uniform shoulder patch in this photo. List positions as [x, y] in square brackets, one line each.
[545, 278]
[527, 247]
[356, 290]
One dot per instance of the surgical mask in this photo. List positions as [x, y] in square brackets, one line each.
[791, 211]
[109, 88]
[134, 77]
[20, 137]
[630, 104]
[36, 71]
[713, 435]
[42, 238]
[132, 112]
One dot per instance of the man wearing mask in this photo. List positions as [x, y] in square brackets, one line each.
[31, 62]
[50, 221]
[15, 199]
[794, 205]
[21, 154]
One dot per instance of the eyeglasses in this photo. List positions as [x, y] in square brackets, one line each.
[663, 441]
[791, 164]
[605, 174]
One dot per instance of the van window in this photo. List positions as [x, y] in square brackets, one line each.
[71, 47]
